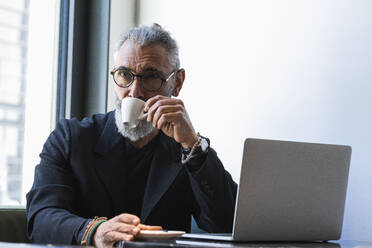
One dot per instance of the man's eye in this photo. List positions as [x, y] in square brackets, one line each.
[125, 74]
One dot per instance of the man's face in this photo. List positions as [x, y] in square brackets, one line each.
[144, 59]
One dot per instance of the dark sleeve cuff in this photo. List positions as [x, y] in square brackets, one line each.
[80, 232]
[196, 163]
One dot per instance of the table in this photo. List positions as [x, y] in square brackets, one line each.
[188, 244]
[193, 243]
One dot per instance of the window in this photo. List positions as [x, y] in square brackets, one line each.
[27, 90]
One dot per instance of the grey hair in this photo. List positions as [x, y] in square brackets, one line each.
[145, 35]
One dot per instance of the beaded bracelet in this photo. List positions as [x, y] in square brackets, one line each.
[91, 232]
[191, 154]
[90, 229]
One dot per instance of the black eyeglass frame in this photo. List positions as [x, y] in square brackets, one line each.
[163, 80]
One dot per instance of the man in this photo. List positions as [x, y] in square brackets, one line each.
[159, 173]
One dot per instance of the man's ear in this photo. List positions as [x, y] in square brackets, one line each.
[180, 78]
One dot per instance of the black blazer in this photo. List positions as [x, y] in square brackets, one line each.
[76, 180]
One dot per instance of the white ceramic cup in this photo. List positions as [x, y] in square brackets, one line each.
[132, 111]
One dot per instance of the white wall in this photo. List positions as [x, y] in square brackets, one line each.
[279, 69]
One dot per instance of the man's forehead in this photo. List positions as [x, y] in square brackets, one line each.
[132, 54]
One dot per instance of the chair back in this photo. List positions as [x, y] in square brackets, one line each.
[13, 225]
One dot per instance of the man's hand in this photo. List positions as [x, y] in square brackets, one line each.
[122, 227]
[169, 115]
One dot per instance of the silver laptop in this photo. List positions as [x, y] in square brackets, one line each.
[289, 191]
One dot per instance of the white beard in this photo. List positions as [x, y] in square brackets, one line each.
[142, 130]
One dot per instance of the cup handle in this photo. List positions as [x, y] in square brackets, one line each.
[143, 116]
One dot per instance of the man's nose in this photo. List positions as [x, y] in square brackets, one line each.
[136, 89]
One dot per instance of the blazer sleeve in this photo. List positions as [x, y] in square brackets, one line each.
[52, 200]
[214, 193]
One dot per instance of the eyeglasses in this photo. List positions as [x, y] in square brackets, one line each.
[150, 81]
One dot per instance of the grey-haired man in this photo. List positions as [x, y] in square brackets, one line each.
[154, 176]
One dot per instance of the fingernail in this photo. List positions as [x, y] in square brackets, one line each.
[135, 229]
[135, 221]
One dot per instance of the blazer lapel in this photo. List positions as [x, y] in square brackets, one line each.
[164, 169]
[110, 136]
[106, 165]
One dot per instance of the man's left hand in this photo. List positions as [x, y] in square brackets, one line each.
[169, 115]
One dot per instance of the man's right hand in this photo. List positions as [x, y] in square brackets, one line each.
[121, 227]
